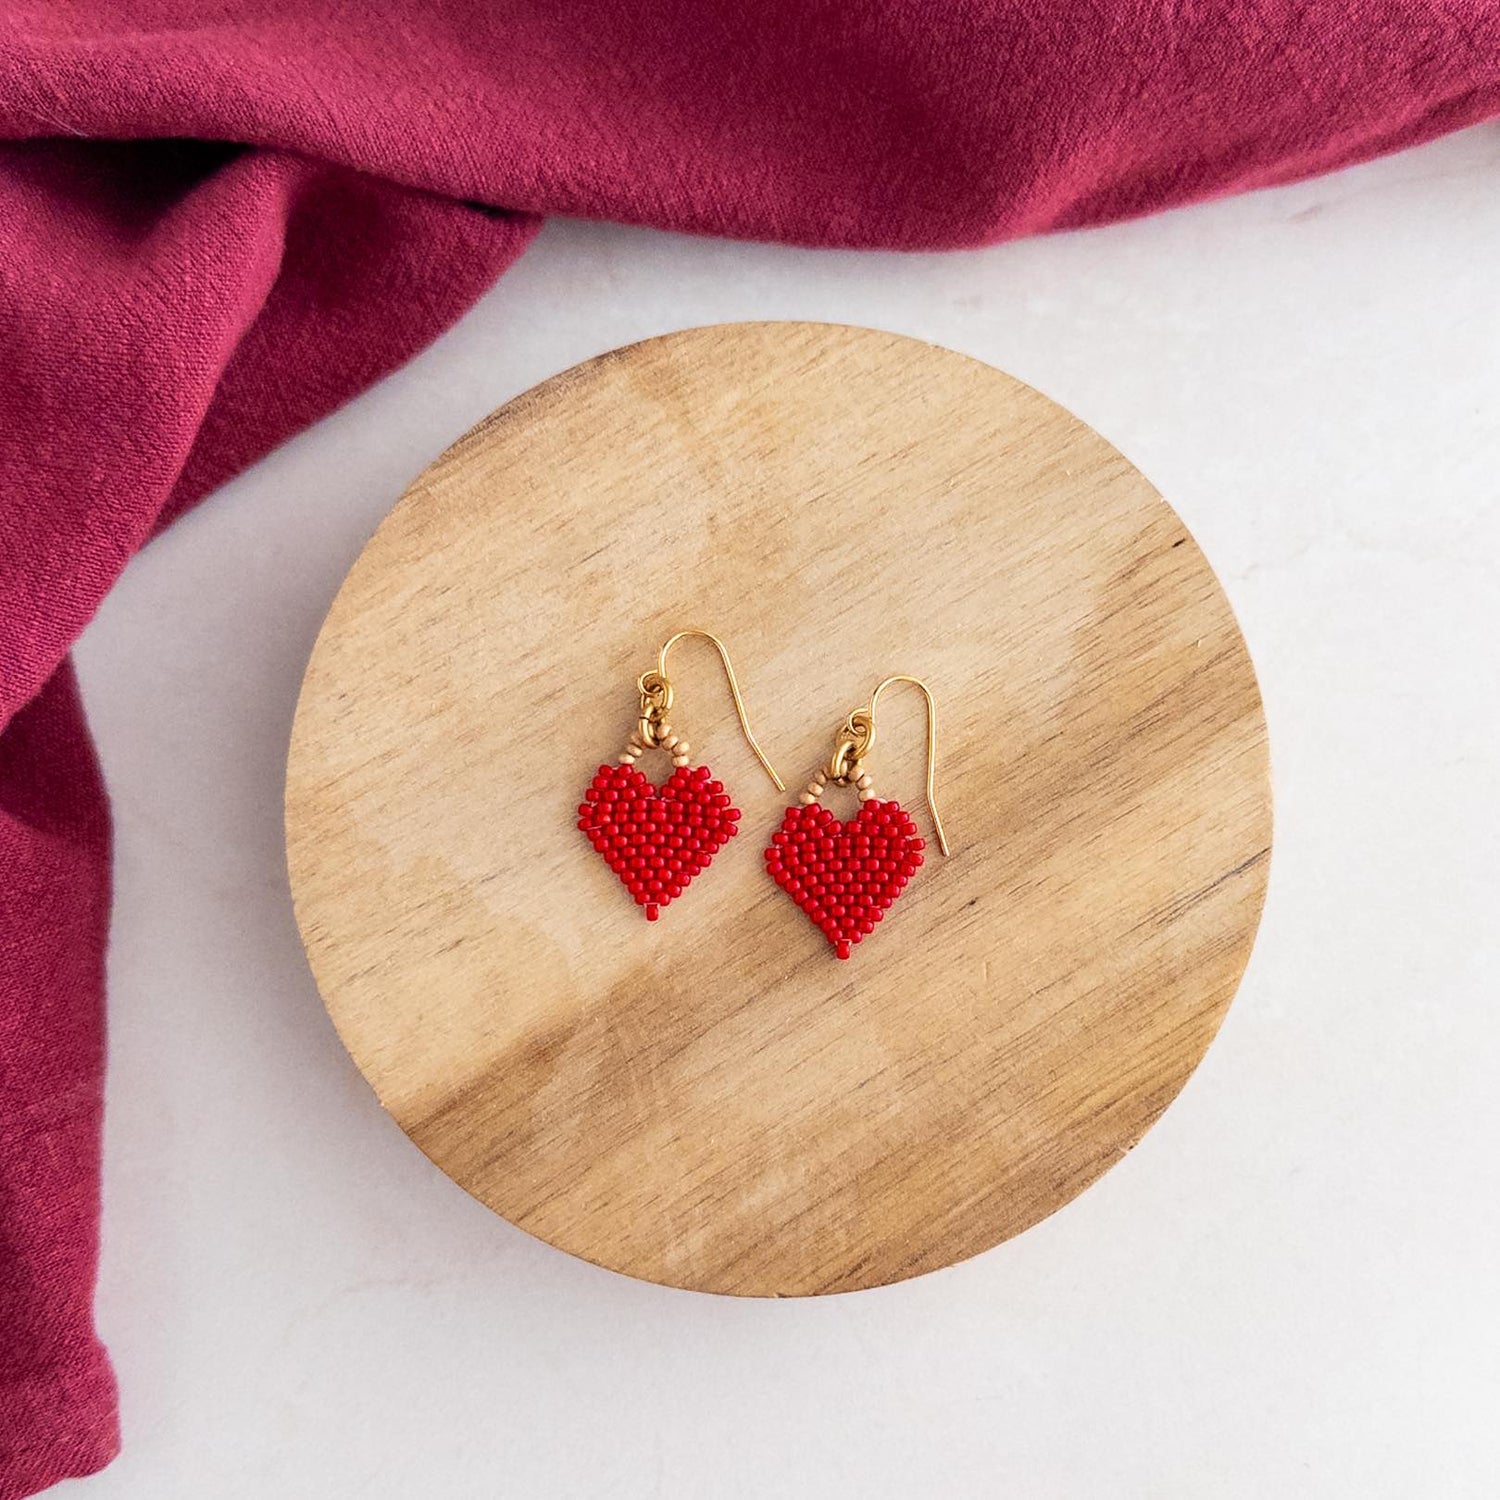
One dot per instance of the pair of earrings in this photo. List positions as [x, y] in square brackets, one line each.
[845, 875]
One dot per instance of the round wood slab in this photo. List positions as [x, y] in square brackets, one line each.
[713, 1100]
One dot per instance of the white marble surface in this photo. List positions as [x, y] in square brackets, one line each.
[1289, 1289]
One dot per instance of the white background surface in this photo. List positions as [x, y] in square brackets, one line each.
[1288, 1289]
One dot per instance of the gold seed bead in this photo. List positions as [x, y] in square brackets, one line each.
[679, 760]
[807, 799]
[682, 748]
[866, 793]
[863, 781]
[667, 741]
[627, 759]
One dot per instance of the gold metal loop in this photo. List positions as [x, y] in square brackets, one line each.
[843, 764]
[855, 736]
[656, 698]
[656, 693]
[656, 701]
[858, 734]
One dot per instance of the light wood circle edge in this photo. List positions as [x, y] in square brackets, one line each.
[525, 410]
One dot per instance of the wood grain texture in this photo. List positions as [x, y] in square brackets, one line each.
[713, 1101]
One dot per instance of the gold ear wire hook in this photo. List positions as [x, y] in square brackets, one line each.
[869, 739]
[657, 687]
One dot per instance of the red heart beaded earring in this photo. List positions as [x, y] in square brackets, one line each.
[847, 875]
[657, 838]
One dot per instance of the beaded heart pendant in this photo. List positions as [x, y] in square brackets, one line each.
[844, 875]
[847, 876]
[657, 838]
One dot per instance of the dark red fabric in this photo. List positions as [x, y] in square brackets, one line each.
[219, 222]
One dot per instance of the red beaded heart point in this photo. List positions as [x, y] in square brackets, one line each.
[657, 838]
[845, 875]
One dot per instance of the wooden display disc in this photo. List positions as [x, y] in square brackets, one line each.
[713, 1100]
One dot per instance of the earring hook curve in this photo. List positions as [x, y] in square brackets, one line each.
[656, 687]
[869, 738]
